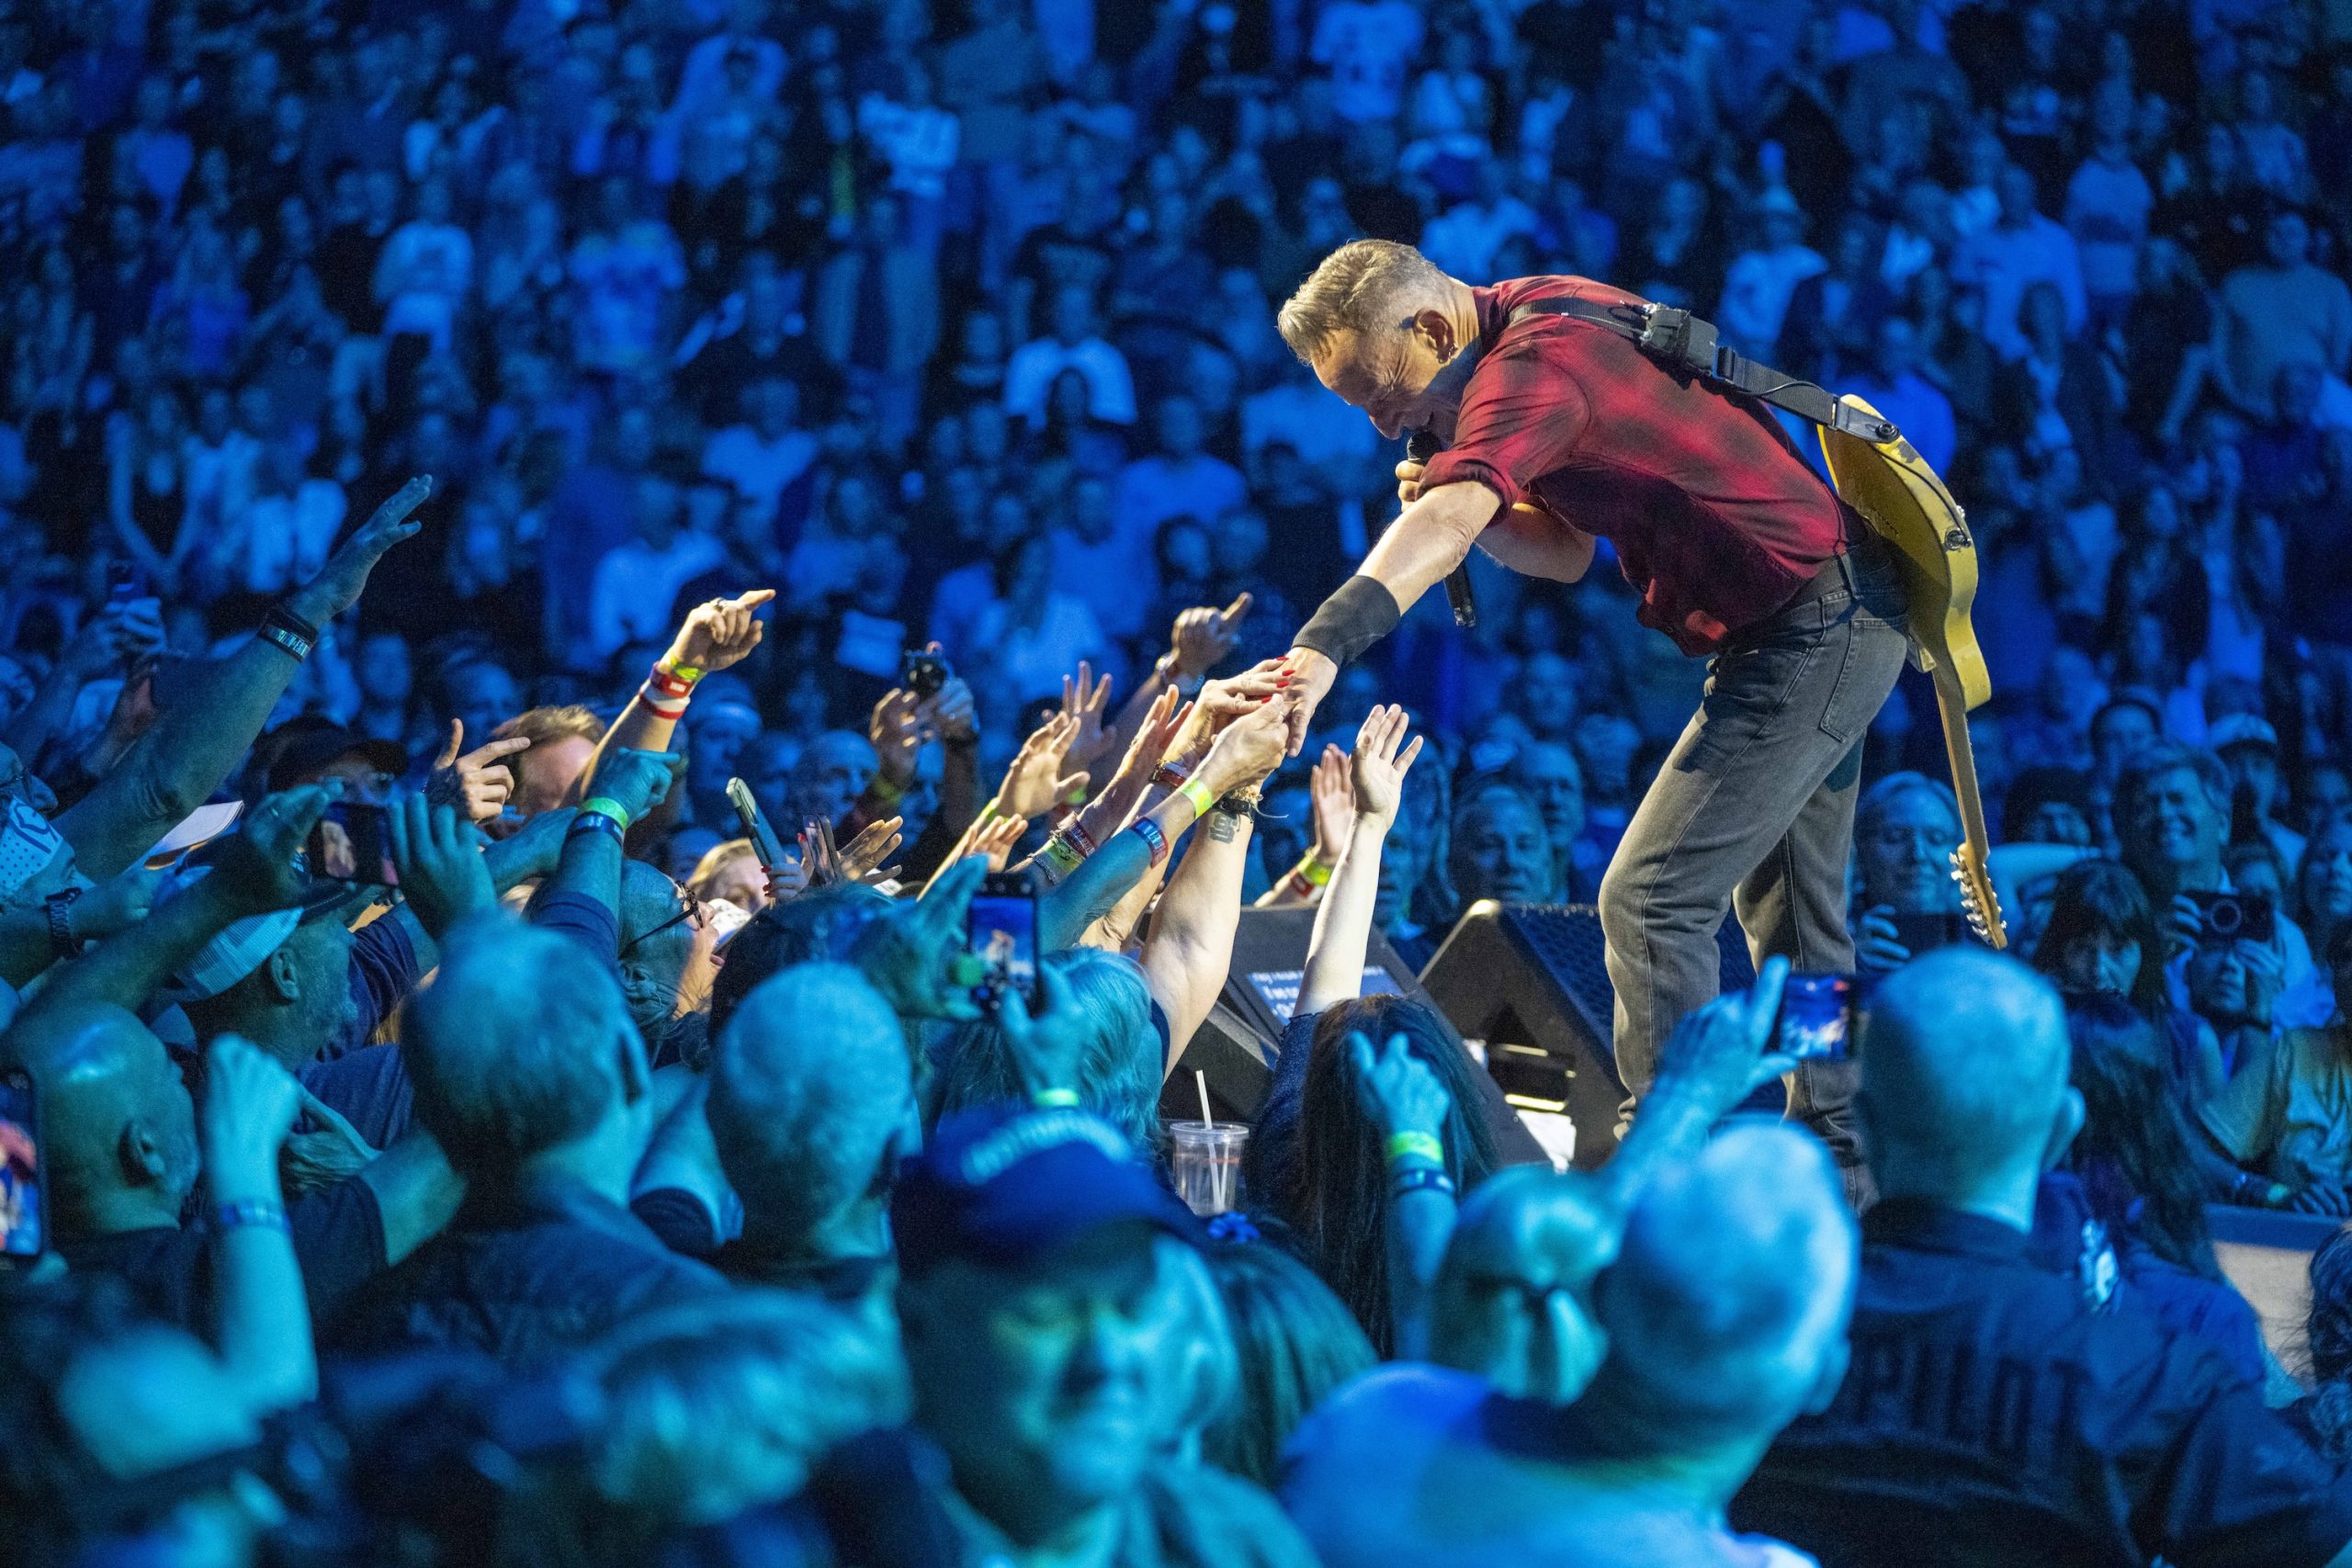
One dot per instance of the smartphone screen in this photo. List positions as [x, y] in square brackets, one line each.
[1927, 933]
[1001, 932]
[22, 1234]
[354, 843]
[1817, 1015]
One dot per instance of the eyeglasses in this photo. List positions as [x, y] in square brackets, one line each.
[691, 909]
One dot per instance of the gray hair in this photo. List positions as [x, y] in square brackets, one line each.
[1118, 1079]
[515, 1049]
[810, 1082]
[1353, 289]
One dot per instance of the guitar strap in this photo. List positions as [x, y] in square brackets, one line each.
[1683, 342]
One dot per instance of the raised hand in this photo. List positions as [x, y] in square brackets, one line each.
[260, 866]
[953, 710]
[1222, 702]
[1379, 768]
[1154, 738]
[1035, 784]
[250, 1104]
[1086, 700]
[1204, 636]
[1397, 1091]
[1335, 806]
[116, 903]
[1878, 945]
[1047, 1049]
[340, 582]
[477, 783]
[718, 632]
[995, 840]
[1249, 749]
[1311, 675]
[438, 855]
[635, 780]
[896, 729]
[914, 956]
[1720, 1055]
[330, 1153]
[861, 859]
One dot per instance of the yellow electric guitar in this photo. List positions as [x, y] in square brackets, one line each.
[1904, 503]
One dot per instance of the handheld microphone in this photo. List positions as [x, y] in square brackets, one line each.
[1420, 447]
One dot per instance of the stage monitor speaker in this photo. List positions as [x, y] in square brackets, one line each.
[1531, 981]
[1237, 1047]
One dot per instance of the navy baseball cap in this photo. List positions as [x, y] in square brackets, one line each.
[1004, 1187]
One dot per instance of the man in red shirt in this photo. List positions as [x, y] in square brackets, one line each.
[1558, 433]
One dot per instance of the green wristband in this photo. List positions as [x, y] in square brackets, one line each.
[1415, 1146]
[1203, 798]
[605, 806]
[1047, 1099]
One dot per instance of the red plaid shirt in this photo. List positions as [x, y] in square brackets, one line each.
[1716, 518]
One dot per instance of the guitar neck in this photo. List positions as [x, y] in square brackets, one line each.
[1952, 705]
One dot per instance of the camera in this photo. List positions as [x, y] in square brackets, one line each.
[2235, 917]
[926, 673]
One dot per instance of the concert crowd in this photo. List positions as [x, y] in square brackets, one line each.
[445, 443]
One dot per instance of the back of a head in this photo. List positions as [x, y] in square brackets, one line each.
[99, 1072]
[808, 1084]
[1727, 1304]
[1293, 1342]
[1118, 1078]
[1333, 1191]
[1513, 1298]
[516, 1048]
[1963, 1058]
[717, 1408]
[1357, 288]
[2327, 1343]
[817, 927]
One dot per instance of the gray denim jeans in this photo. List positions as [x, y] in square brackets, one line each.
[1754, 810]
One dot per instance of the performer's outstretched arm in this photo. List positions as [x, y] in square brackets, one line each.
[1431, 538]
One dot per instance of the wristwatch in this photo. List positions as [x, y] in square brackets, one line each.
[62, 943]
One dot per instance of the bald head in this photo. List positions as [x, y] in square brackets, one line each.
[1728, 1305]
[117, 1129]
[521, 1045]
[810, 1083]
[1513, 1299]
[1965, 1097]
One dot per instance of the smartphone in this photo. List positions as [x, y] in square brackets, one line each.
[765, 845]
[353, 842]
[1816, 1017]
[1925, 932]
[925, 673]
[24, 1214]
[125, 582]
[2226, 917]
[1001, 932]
